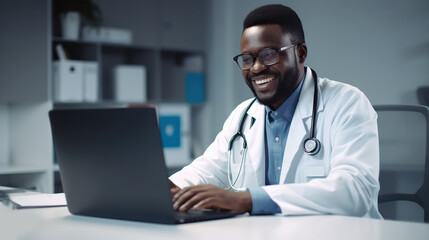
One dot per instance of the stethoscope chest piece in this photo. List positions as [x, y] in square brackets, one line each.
[311, 146]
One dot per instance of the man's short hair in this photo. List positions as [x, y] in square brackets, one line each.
[277, 14]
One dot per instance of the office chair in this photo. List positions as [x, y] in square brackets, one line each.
[423, 95]
[404, 149]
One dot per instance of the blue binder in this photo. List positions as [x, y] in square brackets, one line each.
[194, 87]
[170, 131]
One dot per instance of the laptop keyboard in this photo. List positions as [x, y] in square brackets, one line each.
[202, 215]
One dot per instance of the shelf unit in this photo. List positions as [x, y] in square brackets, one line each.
[162, 85]
[26, 86]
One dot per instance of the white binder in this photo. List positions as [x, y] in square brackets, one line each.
[68, 81]
[130, 83]
[75, 81]
[90, 82]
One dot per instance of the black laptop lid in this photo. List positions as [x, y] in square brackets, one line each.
[111, 163]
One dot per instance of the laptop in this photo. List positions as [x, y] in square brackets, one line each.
[112, 166]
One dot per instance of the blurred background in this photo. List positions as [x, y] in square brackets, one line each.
[177, 55]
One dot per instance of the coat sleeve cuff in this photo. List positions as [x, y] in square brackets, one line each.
[262, 204]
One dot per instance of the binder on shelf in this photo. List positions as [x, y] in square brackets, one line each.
[194, 87]
[90, 82]
[170, 130]
[75, 81]
[130, 83]
[194, 79]
[175, 128]
[68, 81]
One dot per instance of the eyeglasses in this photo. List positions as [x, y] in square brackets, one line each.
[267, 56]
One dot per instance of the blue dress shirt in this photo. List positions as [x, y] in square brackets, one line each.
[277, 125]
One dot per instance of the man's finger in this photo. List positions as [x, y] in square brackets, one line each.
[187, 198]
[199, 197]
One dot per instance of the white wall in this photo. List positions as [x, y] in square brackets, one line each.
[4, 136]
[380, 46]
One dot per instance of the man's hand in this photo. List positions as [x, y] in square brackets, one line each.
[174, 188]
[210, 196]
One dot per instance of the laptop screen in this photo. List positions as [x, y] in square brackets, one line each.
[111, 163]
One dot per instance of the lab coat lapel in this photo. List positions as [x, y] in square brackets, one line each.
[256, 141]
[300, 125]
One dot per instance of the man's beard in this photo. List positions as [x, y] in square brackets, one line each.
[285, 86]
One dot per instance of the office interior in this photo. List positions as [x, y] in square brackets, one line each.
[381, 47]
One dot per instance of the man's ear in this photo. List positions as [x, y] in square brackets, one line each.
[302, 53]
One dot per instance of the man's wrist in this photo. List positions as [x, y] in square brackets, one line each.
[262, 203]
[245, 201]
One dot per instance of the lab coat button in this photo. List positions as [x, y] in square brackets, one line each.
[277, 139]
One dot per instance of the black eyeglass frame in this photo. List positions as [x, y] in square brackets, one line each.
[257, 55]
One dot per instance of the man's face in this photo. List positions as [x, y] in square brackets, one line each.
[272, 85]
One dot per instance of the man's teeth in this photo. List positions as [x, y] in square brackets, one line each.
[262, 81]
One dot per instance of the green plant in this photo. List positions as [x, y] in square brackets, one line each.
[86, 8]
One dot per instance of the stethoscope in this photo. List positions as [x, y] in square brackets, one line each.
[311, 145]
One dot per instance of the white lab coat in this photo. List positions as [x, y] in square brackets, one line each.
[341, 179]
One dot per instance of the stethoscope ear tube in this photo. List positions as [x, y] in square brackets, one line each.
[231, 142]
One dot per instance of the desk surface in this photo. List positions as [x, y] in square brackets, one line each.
[58, 223]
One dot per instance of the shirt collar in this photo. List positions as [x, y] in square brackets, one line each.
[287, 108]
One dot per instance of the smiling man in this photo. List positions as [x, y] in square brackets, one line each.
[307, 145]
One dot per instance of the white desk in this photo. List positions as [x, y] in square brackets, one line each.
[58, 223]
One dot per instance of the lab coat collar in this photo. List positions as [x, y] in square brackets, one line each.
[257, 110]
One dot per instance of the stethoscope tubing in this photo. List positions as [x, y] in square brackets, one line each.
[315, 145]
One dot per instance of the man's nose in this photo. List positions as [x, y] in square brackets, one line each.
[258, 66]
